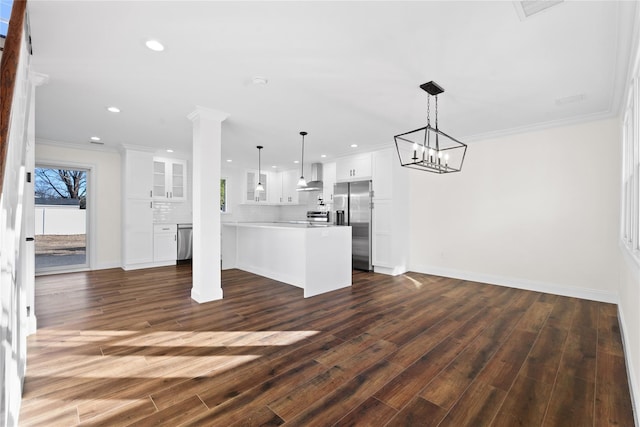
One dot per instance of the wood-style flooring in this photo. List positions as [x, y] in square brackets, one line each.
[131, 348]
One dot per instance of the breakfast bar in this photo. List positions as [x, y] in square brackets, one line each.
[316, 258]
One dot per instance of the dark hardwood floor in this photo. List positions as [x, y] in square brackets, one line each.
[131, 348]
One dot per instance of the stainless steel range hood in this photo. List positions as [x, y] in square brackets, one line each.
[315, 184]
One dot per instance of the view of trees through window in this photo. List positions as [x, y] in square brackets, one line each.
[60, 218]
[61, 184]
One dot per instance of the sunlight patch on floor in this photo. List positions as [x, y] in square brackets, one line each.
[417, 284]
[181, 338]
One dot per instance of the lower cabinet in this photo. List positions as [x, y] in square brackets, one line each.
[138, 233]
[165, 243]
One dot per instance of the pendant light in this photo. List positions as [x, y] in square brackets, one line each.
[428, 148]
[302, 182]
[259, 187]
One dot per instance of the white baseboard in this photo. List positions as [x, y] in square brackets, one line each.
[391, 271]
[634, 387]
[197, 297]
[147, 265]
[32, 325]
[529, 285]
[107, 266]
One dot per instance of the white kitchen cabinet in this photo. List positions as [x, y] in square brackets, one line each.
[328, 180]
[137, 227]
[138, 233]
[138, 173]
[353, 168]
[390, 218]
[289, 186]
[251, 180]
[384, 164]
[275, 188]
[165, 243]
[169, 179]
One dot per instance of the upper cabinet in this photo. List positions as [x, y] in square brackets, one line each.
[289, 185]
[275, 188]
[353, 168]
[250, 195]
[279, 188]
[169, 179]
[138, 166]
[329, 179]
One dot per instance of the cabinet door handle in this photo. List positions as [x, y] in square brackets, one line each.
[150, 193]
[175, 237]
[151, 205]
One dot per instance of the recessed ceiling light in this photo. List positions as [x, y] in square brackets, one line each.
[323, 155]
[169, 150]
[259, 80]
[229, 160]
[154, 45]
[113, 109]
[274, 166]
[296, 161]
[95, 138]
[354, 146]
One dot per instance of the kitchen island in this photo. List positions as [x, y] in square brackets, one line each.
[316, 258]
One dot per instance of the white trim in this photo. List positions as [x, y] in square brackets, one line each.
[629, 255]
[529, 285]
[480, 137]
[217, 294]
[107, 265]
[390, 271]
[151, 264]
[77, 146]
[634, 387]
[603, 115]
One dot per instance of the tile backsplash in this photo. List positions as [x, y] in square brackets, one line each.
[172, 212]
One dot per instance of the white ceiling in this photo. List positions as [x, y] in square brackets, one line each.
[346, 72]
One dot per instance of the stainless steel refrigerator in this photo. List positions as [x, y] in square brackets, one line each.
[354, 198]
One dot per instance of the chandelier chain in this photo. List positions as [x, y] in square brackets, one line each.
[428, 110]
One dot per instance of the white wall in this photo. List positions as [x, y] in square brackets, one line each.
[537, 210]
[106, 200]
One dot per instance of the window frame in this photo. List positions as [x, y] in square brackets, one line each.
[630, 185]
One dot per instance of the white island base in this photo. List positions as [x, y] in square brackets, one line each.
[316, 259]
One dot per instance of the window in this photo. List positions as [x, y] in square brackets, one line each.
[223, 195]
[5, 14]
[630, 229]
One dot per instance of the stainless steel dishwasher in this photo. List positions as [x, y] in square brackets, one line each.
[185, 242]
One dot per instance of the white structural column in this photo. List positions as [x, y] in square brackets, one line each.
[207, 140]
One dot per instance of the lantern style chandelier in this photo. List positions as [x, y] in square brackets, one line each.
[428, 148]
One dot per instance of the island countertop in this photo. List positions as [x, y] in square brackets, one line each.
[316, 258]
[283, 224]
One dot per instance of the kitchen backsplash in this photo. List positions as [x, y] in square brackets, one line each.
[269, 213]
[171, 212]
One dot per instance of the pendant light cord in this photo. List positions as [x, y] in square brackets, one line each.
[302, 161]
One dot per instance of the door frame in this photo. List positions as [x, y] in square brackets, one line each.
[90, 226]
